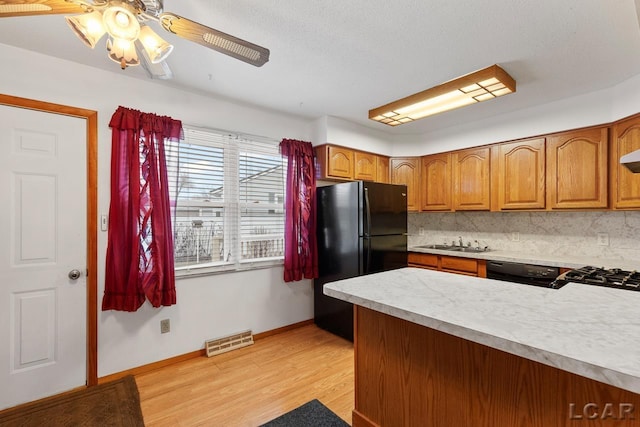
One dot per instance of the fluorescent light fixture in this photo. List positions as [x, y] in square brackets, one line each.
[478, 86]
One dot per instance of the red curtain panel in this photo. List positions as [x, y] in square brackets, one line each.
[139, 262]
[300, 250]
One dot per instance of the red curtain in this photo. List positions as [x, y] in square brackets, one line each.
[300, 251]
[139, 261]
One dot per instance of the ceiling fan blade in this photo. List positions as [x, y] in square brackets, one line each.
[214, 39]
[38, 7]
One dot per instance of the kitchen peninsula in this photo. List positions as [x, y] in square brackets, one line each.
[438, 349]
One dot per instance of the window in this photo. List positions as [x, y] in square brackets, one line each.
[228, 204]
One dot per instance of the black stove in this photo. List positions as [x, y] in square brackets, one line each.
[610, 278]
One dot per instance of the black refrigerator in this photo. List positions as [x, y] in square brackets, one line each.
[361, 229]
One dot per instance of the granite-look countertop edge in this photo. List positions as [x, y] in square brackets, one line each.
[565, 328]
[540, 259]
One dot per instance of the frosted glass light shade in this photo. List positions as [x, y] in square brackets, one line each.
[157, 49]
[122, 52]
[88, 27]
[121, 22]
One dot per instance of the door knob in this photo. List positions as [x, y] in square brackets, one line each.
[74, 274]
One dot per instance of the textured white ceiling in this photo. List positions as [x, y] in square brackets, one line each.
[341, 58]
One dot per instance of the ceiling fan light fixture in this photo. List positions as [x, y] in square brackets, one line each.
[121, 22]
[123, 52]
[481, 85]
[88, 27]
[156, 47]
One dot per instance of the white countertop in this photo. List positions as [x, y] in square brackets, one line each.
[588, 330]
[551, 260]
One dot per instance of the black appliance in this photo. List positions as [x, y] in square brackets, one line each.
[610, 278]
[527, 274]
[361, 229]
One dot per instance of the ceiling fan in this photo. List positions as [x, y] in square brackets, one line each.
[129, 36]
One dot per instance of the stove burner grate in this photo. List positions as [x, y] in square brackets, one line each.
[611, 278]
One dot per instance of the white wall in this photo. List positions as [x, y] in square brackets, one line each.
[348, 134]
[208, 307]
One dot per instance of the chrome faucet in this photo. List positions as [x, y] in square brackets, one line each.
[460, 241]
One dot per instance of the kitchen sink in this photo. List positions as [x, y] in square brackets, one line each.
[470, 249]
[443, 247]
[455, 248]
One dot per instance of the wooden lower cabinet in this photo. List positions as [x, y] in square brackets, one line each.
[420, 260]
[408, 375]
[449, 264]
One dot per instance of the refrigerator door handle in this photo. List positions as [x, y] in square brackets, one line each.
[367, 256]
[367, 210]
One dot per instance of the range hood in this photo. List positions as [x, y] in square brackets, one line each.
[631, 161]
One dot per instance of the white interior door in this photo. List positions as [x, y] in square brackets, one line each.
[42, 238]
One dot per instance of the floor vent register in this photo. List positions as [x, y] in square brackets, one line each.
[228, 343]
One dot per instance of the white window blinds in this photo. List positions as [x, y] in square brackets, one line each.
[228, 204]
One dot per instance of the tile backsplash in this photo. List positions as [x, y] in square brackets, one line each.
[559, 233]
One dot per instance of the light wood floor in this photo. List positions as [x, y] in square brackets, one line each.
[252, 385]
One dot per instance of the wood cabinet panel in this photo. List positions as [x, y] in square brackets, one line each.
[406, 170]
[577, 169]
[625, 185]
[334, 162]
[435, 188]
[449, 264]
[471, 179]
[382, 169]
[518, 179]
[340, 162]
[410, 375]
[417, 259]
[365, 166]
[459, 265]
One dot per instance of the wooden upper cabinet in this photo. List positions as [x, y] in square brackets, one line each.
[518, 175]
[382, 169]
[577, 169]
[340, 162]
[334, 162]
[406, 170]
[435, 188]
[365, 166]
[625, 185]
[471, 179]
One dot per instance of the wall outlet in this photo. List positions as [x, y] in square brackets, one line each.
[515, 236]
[165, 326]
[603, 239]
[421, 231]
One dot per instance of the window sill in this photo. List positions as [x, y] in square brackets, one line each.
[187, 272]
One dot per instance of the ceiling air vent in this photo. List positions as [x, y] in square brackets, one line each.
[228, 343]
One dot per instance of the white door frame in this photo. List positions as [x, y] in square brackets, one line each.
[92, 216]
